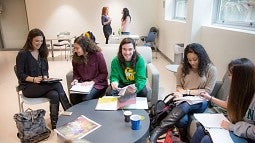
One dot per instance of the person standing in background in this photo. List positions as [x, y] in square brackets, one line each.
[106, 22]
[125, 22]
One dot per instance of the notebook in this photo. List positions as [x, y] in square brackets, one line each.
[81, 89]
[51, 80]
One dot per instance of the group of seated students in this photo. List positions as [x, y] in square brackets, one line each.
[195, 76]
[89, 67]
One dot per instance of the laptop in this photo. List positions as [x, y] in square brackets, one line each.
[51, 80]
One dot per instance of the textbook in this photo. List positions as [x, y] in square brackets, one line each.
[81, 89]
[190, 99]
[77, 128]
[211, 123]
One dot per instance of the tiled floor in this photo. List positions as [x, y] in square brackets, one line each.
[58, 68]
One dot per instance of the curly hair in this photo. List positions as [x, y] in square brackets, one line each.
[88, 46]
[203, 59]
[125, 14]
[121, 58]
[242, 88]
[43, 50]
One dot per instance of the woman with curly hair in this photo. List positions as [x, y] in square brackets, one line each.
[240, 104]
[125, 21]
[195, 75]
[128, 68]
[89, 67]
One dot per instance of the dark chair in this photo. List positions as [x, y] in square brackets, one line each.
[150, 40]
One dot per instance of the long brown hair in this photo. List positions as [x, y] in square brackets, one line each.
[88, 46]
[121, 58]
[43, 50]
[241, 89]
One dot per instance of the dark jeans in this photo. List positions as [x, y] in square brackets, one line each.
[186, 108]
[52, 91]
[142, 93]
[94, 93]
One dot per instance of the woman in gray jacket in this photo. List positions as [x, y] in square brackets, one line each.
[240, 104]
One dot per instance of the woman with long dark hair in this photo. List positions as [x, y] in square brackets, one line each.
[125, 22]
[240, 104]
[195, 75]
[32, 68]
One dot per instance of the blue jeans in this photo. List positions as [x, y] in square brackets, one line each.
[186, 108]
[201, 137]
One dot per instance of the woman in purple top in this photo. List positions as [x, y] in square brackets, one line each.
[89, 67]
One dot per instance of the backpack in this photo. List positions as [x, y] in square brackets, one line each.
[90, 36]
[160, 110]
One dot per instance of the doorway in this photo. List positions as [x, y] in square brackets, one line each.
[13, 24]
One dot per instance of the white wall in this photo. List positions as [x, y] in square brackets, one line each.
[78, 16]
[222, 45]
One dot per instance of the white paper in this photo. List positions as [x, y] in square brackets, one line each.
[82, 89]
[107, 103]
[141, 103]
[219, 135]
[212, 122]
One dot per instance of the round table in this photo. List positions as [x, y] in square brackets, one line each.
[113, 127]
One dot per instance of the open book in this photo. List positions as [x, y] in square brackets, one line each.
[190, 99]
[78, 128]
[81, 89]
[212, 122]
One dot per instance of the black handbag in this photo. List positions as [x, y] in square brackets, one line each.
[31, 126]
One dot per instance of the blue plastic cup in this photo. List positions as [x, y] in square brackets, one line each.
[135, 122]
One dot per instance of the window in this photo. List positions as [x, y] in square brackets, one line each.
[180, 9]
[237, 13]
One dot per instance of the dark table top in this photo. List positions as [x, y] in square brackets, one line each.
[113, 127]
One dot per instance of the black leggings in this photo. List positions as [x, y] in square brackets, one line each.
[52, 91]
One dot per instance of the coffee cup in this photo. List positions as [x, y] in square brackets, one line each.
[135, 122]
[127, 115]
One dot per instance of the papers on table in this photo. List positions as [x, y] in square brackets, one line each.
[78, 128]
[111, 103]
[81, 89]
[212, 122]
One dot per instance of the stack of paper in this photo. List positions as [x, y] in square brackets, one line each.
[81, 89]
